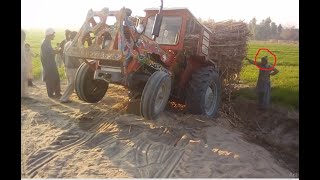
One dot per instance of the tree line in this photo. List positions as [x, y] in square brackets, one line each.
[267, 29]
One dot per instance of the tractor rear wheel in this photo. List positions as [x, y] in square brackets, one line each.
[204, 92]
[88, 89]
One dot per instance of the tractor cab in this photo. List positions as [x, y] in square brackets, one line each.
[178, 24]
[171, 29]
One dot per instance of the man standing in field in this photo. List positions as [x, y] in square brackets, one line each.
[263, 87]
[71, 65]
[58, 57]
[50, 70]
[29, 66]
[63, 43]
[23, 66]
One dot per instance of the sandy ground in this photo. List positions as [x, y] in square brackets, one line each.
[82, 140]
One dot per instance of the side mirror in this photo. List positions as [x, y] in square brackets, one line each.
[156, 26]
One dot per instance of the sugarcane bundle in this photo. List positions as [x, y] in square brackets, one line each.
[228, 48]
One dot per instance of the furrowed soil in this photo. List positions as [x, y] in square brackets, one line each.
[104, 140]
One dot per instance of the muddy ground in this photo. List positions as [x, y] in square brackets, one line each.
[82, 140]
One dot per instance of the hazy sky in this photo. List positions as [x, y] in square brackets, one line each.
[72, 13]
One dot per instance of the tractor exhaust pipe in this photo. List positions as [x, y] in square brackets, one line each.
[157, 23]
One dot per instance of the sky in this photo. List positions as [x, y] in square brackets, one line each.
[61, 14]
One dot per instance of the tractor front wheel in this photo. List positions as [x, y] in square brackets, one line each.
[87, 88]
[155, 95]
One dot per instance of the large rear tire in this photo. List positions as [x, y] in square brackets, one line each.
[155, 95]
[204, 92]
[88, 89]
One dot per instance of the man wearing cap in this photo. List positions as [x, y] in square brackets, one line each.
[71, 64]
[263, 86]
[50, 70]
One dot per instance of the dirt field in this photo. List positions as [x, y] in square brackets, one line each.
[81, 140]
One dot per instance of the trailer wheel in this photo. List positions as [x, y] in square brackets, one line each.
[203, 93]
[155, 95]
[88, 89]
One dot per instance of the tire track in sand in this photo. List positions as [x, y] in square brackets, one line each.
[44, 156]
[153, 153]
[73, 140]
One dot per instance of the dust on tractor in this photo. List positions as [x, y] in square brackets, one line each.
[151, 56]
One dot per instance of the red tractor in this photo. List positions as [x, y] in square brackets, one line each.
[160, 56]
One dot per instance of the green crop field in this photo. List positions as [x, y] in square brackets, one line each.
[35, 38]
[285, 85]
